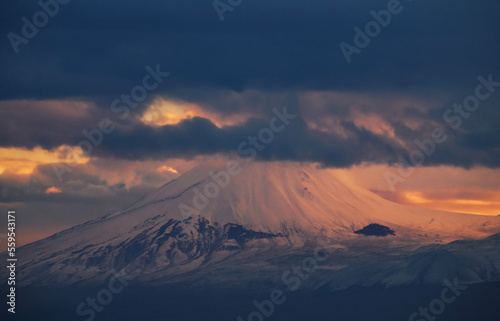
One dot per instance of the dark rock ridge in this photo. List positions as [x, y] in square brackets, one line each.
[179, 243]
[376, 230]
[171, 243]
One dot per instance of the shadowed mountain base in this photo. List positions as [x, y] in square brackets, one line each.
[181, 303]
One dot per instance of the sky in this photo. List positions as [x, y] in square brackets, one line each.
[102, 102]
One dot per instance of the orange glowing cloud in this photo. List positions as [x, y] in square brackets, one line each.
[165, 168]
[375, 124]
[168, 112]
[53, 190]
[446, 188]
[23, 161]
[321, 110]
[462, 200]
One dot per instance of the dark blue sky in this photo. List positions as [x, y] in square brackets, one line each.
[94, 51]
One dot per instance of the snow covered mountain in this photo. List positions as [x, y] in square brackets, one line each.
[213, 215]
[470, 262]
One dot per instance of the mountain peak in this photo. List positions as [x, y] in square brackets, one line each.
[235, 207]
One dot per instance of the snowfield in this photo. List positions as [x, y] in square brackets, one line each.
[268, 210]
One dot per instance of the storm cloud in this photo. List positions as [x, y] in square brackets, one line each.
[91, 53]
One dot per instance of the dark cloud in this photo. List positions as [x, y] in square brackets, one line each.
[77, 188]
[199, 136]
[93, 51]
[81, 185]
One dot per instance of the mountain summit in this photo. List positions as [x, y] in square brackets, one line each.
[212, 213]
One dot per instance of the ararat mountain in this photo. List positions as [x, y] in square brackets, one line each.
[256, 213]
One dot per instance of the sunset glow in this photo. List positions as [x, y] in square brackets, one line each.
[23, 161]
[449, 201]
[250, 160]
[53, 190]
[166, 112]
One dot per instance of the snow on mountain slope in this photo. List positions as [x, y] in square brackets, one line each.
[266, 205]
[471, 261]
[264, 195]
